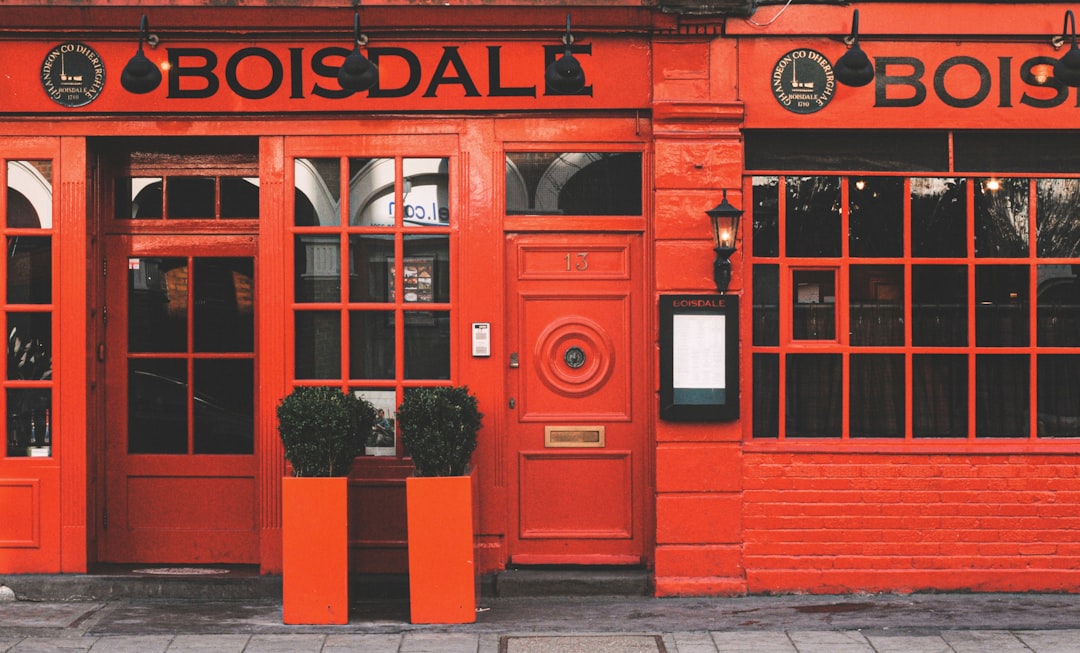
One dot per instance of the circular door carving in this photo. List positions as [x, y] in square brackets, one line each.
[574, 356]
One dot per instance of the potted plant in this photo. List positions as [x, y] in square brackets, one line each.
[439, 428]
[322, 430]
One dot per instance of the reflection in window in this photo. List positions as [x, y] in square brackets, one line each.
[877, 395]
[574, 183]
[813, 216]
[814, 298]
[766, 212]
[814, 395]
[1058, 305]
[1057, 218]
[938, 217]
[1001, 311]
[877, 305]
[1059, 395]
[1001, 217]
[876, 206]
[187, 198]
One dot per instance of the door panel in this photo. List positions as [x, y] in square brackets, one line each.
[180, 400]
[578, 390]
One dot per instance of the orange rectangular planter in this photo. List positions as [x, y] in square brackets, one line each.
[442, 581]
[315, 550]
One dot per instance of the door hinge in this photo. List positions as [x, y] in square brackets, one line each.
[105, 519]
[104, 267]
[104, 315]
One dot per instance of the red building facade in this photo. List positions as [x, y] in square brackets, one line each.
[907, 347]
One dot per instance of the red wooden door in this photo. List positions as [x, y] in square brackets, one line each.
[578, 389]
[180, 378]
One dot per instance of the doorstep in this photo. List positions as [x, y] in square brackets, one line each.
[569, 581]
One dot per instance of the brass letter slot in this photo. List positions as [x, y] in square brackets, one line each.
[573, 436]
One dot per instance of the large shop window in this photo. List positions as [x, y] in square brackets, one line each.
[371, 282]
[28, 308]
[916, 307]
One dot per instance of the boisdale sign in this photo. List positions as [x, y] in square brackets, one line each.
[278, 76]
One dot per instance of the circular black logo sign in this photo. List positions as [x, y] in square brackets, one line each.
[803, 81]
[72, 74]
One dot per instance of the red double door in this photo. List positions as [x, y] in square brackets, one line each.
[578, 394]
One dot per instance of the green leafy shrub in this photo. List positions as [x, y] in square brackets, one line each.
[323, 429]
[438, 429]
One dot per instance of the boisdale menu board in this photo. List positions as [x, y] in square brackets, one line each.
[699, 357]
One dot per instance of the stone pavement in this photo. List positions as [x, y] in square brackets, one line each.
[915, 623]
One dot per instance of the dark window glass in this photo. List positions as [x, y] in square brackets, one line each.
[766, 395]
[876, 219]
[157, 304]
[318, 344]
[223, 300]
[938, 217]
[1002, 395]
[766, 304]
[28, 420]
[1059, 306]
[814, 304]
[1057, 218]
[224, 406]
[939, 395]
[573, 183]
[766, 214]
[1001, 217]
[371, 344]
[814, 395]
[813, 216]
[157, 406]
[372, 269]
[939, 305]
[1059, 395]
[876, 305]
[29, 346]
[1016, 151]
[29, 270]
[317, 267]
[239, 198]
[1001, 306]
[427, 345]
[870, 150]
[877, 395]
[190, 197]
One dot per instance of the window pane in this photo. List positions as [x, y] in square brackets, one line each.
[766, 305]
[224, 408]
[157, 304]
[29, 346]
[1002, 391]
[29, 195]
[224, 313]
[1057, 217]
[427, 268]
[317, 268]
[28, 420]
[766, 216]
[939, 305]
[876, 206]
[140, 198]
[427, 345]
[426, 192]
[814, 297]
[29, 270]
[371, 269]
[1001, 217]
[371, 345]
[239, 198]
[1001, 310]
[1059, 306]
[573, 183]
[813, 216]
[1059, 396]
[938, 217]
[318, 345]
[814, 395]
[766, 384]
[371, 192]
[877, 395]
[190, 197]
[939, 391]
[877, 305]
[317, 192]
[157, 406]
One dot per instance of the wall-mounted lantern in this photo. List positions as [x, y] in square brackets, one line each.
[564, 76]
[725, 225]
[140, 75]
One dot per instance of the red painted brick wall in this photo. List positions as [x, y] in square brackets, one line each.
[845, 522]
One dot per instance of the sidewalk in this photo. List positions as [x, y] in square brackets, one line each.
[917, 623]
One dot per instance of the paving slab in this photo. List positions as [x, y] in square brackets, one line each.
[1055, 641]
[830, 641]
[132, 644]
[909, 644]
[741, 641]
[583, 644]
[981, 641]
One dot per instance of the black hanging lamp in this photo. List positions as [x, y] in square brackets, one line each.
[140, 75]
[357, 73]
[854, 68]
[564, 76]
[1067, 68]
